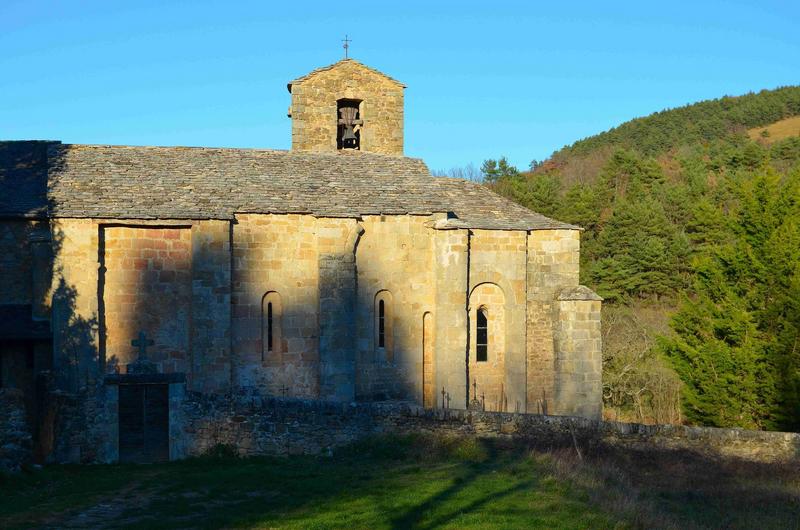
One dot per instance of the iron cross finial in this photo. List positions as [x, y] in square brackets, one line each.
[346, 45]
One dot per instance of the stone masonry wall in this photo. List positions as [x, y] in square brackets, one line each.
[25, 259]
[147, 289]
[324, 274]
[261, 245]
[553, 264]
[451, 255]
[394, 258]
[173, 283]
[75, 311]
[15, 437]
[498, 270]
[579, 358]
[314, 110]
[80, 423]
[211, 307]
[15, 262]
[255, 426]
[487, 379]
[337, 243]
[84, 432]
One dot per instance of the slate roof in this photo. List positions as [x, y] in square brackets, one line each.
[125, 182]
[314, 72]
[23, 179]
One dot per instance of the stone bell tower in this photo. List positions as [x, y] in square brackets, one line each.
[347, 107]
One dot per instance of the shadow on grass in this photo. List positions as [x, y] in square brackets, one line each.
[698, 491]
[413, 518]
[418, 482]
[483, 459]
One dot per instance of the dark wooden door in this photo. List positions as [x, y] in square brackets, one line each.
[143, 423]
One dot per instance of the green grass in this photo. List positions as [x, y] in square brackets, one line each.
[406, 482]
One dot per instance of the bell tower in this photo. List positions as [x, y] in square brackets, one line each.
[347, 107]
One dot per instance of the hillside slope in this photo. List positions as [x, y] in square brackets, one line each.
[692, 235]
[669, 130]
[780, 130]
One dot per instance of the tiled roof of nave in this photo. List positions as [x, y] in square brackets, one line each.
[125, 182]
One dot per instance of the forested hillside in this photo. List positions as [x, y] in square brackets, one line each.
[692, 235]
[670, 130]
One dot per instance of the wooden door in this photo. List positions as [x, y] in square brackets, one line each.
[143, 423]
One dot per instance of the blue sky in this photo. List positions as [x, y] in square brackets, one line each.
[484, 79]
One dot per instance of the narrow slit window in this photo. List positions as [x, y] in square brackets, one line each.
[482, 350]
[270, 328]
[381, 325]
[272, 345]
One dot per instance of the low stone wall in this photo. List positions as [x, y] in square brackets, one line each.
[16, 446]
[273, 426]
[278, 426]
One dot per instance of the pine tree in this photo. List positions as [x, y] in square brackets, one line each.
[736, 343]
[719, 352]
[494, 170]
[641, 251]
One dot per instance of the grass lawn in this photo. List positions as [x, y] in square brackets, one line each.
[411, 482]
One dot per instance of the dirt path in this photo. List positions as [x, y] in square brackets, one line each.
[107, 511]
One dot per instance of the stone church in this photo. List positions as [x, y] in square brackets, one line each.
[135, 279]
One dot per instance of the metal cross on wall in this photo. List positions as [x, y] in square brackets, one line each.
[142, 343]
[346, 45]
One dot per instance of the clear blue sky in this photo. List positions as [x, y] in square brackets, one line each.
[484, 78]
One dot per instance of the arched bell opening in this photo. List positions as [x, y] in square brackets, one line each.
[350, 123]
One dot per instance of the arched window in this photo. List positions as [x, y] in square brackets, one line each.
[271, 312]
[384, 340]
[381, 324]
[482, 336]
[270, 328]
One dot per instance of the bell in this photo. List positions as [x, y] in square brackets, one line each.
[348, 135]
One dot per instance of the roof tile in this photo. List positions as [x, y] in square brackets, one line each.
[127, 182]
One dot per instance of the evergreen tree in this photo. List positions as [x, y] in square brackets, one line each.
[714, 224]
[736, 337]
[494, 170]
[641, 252]
[719, 352]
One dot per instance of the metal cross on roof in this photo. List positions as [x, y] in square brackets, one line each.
[346, 45]
[142, 343]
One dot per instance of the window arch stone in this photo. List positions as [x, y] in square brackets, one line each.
[482, 334]
[271, 326]
[487, 330]
[384, 326]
